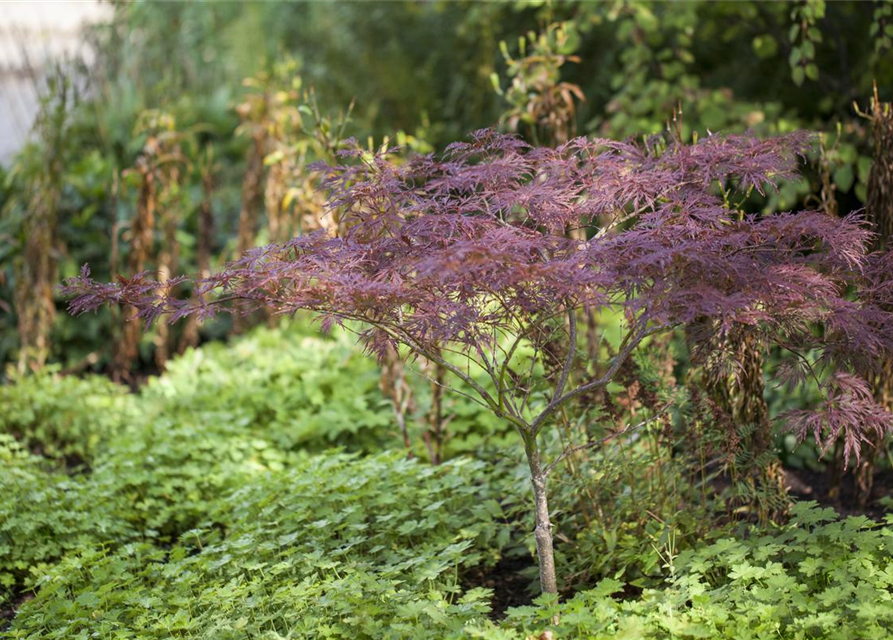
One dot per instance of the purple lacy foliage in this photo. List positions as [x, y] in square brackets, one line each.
[848, 411]
[458, 248]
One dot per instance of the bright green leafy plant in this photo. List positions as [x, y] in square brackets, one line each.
[64, 418]
[818, 577]
[46, 514]
[340, 547]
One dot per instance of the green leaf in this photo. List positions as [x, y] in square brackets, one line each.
[844, 178]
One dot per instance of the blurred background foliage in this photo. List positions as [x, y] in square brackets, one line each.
[219, 108]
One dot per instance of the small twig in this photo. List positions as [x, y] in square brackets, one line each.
[91, 359]
[595, 443]
[571, 352]
[627, 347]
[447, 387]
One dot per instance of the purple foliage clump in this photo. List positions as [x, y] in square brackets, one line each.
[495, 237]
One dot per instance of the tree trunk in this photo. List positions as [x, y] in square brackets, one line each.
[252, 195]
[36, 269]
[394, 386]
[543, 532]
[35, 274]
[766, 472]
[168, 256]
[435, 433]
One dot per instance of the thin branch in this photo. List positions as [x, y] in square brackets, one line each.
[810, 367]
[449, 388]
[501, 388]
[631, 344]
[409, 341]
[401, 335]
[535, 358]
[571, 353]
[595, 443]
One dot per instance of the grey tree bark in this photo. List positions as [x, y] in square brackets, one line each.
[543, 530]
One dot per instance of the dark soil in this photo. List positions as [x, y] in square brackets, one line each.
[819, 486]
[8, 609]
[510, 587]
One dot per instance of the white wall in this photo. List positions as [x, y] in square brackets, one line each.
[31, 34]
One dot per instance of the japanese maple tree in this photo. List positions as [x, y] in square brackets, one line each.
[479, 253]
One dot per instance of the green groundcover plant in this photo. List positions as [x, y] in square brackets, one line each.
[45, 514]
[340, 547]
[289, 386]
[818, 577]
[64, 418]
[84, 462]
[193, 524]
